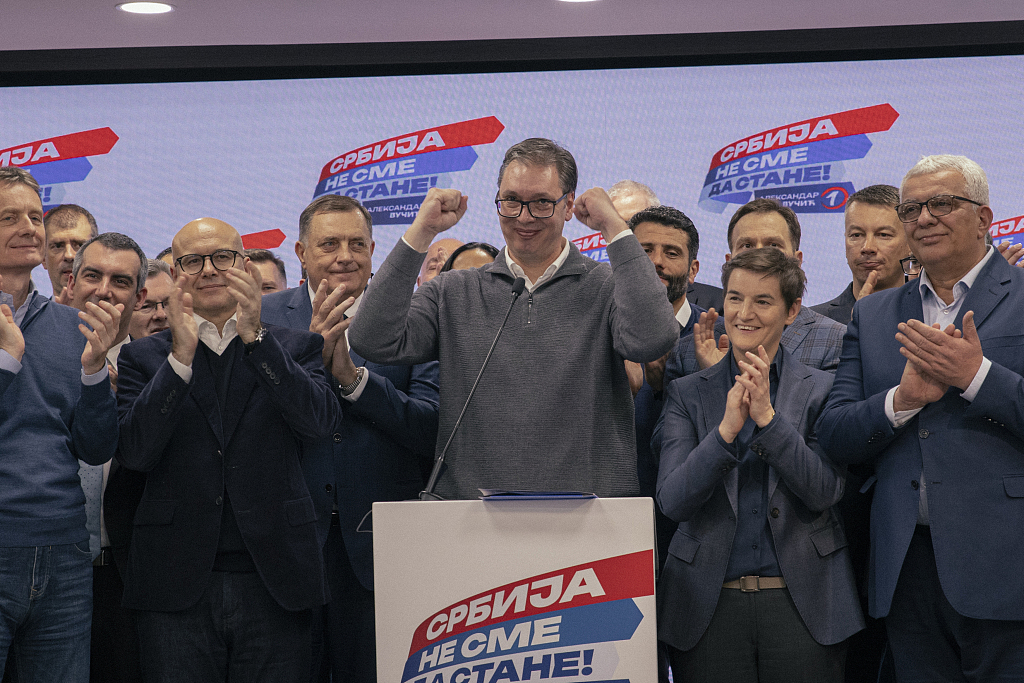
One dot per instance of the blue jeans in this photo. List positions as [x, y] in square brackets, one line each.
[236, 633]
[46, 612]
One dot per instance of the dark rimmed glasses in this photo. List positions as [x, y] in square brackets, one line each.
[939, 205]
[538, 208]
[193, 264]
[911, 267]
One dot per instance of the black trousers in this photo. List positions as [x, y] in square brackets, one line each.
[758, 638]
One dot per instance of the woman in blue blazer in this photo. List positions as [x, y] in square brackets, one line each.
[757, 585]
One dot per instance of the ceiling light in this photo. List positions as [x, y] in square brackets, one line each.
[145, 7]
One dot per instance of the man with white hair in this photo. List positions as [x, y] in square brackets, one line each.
[930, 389]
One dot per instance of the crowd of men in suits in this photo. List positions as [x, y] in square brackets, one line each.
[187, 466]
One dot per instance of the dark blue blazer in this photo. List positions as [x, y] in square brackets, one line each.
[972, 453]
[698, 486]
[279, 400]
[384, 448]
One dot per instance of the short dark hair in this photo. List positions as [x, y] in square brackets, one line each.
[266, 256]
[468, 246]
[765, 205]
[65, 216]
[332, 203]
[543, 152]
[115, 241]
[877, 195]
[164, 252]
[671, 218]
[768, 261]
[13, 175]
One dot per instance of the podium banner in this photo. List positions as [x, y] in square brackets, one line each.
[485, 592]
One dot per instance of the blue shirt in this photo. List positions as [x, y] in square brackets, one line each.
[753, 549]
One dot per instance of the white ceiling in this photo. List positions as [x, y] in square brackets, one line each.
[57, 24]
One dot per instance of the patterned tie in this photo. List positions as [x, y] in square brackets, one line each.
[92, 485]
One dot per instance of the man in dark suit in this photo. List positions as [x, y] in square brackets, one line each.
[671, 241]
[385, 444]
[628, 197]
[875, 243]
[758, 583]
[225, 565]
[813, 339]
[929, 390]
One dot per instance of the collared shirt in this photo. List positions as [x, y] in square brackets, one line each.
[684, 312]
[214, 340]
[753, 548]
[935, 310]
[350, 313]
[553, 268]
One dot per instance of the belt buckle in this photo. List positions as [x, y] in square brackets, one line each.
[748, 584]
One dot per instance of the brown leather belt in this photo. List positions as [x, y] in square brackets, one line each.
[752, 584]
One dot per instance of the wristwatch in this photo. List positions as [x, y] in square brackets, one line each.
[251, 346]
[349, 388]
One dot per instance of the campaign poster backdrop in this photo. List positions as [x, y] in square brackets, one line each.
[488, 592]
[147, 158]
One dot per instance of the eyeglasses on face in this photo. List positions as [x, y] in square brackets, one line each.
[911, 266]
[939, 205]
[149, 307]
[193, 264]
[538, 208]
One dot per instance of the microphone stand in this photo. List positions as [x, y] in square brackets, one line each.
[428, 493]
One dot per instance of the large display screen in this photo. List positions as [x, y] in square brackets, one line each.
[147, 158]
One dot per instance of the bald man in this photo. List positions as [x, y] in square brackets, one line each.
[437, 254]
[225, 565]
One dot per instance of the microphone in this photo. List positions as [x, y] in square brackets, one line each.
[428, 493]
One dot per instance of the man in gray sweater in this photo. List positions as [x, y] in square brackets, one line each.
[553, 410]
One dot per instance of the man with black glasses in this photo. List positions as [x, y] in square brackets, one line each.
[225, 563]
[929, 389]
[553, 409]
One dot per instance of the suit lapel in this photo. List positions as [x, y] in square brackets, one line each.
[243, 383]
[991, 287]
[712, 390]
[300, 309]
[796, 332]
[795, 385]
[204, 392]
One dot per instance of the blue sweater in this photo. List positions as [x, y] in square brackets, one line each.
[48, 421]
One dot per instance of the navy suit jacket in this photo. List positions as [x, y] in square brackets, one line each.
[382, 450]
[839, 309]
[279, 400]
[698, 486]
[972, 453]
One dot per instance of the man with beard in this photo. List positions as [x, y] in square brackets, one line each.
[670, 240]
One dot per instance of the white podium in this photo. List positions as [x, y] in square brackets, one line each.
[489, 591]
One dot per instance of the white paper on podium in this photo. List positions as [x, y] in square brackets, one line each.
[554, 590]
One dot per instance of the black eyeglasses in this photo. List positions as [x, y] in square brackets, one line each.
[193, 264]
[149, 307]
[911, 266]
[939, 205]
[538, 208]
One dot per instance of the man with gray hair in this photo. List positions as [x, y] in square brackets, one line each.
[579, 321]
[151, 315]
[940, 413]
